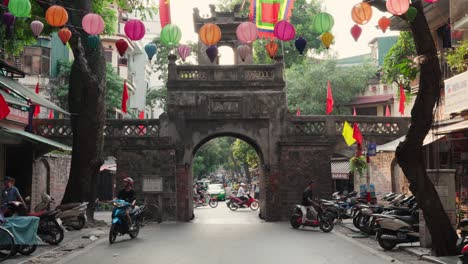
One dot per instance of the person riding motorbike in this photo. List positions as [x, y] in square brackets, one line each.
[308, 202]
[242, 194]
[128, 195]
[10, 193]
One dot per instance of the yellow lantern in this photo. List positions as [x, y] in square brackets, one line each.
[327, 39]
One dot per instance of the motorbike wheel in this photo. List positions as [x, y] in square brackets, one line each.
[332, 213]
[364, 224]
[27, 250]
[294, 221]
[326, 225]
[213, 203]
[112, 233]
[356, 220]
[254, 206]
[385, 244]
[53, 234]
[81, 223]
[133, 234]
[233, 206]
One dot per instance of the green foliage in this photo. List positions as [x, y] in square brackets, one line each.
[398, 65]
[245, 153]
[457, 58]
[234, 5]
[358, 164]
[307, 85]
[59, 87]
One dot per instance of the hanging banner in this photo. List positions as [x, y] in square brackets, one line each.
[164, 12]
[266, 13]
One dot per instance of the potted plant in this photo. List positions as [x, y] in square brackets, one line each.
[358, 164]
[457, 59]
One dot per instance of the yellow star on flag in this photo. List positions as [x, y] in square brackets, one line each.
[348, 134]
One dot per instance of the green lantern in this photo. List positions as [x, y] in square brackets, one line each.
[20, 8]
[93, 41]
[411, 14]
[323, 22]
[171, 35]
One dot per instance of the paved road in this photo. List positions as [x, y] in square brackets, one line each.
[221, 236]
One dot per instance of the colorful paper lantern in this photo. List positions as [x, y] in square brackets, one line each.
[121, 46]
[135, 29]
[397, 7]
[64, 35]
[93, 24]
[37, 27]
[361, 13]
[272, 48]
[411, 14]
[384, 23]
[300, 44]
[284, 31]
[171, 35]
[212, 53]
[8, 19]
[184, 51]
[150, 49]
[19, 8]
[93, 41]
[356, 32]
[243, 51]
[56, 16]
[247, 32]
[210, 34]
[323, 22]
[327, 39]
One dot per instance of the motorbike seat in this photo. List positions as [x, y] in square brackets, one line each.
[65, 207]
[407, 219]
[37, 214]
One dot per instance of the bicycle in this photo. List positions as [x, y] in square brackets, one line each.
[150, 214]
[7, 244]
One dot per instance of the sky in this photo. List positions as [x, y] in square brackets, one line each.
[344, 46]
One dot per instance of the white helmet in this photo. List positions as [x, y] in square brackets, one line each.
[129, 180]
[242, 184]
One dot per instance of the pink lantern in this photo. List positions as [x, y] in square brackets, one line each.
[431, 1]
[247, 32]
[135, 29]
[397, 7]
[184, 51]
[356, 32]
[243, 51]
[93, 24]
[37, 27]
[284, 31]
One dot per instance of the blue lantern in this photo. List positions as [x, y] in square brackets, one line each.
[150, 49]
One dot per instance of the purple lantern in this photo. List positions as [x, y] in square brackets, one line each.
[284, 31]
[300, 44]
[184, 51]
[37, 27]
[212, 53]
[8, 19]
[243, 51]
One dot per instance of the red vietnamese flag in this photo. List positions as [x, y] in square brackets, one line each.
[387, 112]
[141, 115]
[329, 99]
[37, 108]
[354, 111]
[298, 112]
[402, 100]
[124, 97]
[51, 114]
[357, 135]
[4, 109]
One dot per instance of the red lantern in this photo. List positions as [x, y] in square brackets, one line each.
[384, 23]
[64, 35]
[284, 31]
[135, 29]
[272, 48]
[247, 32]
[361, 13]
[397, 7]
[356, 32]
[93, 24]
[121, 46]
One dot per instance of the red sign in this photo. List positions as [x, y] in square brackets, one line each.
[17, 115]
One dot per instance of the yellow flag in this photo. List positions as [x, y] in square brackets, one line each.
[348, 134]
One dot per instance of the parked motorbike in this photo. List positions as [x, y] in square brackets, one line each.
[323, 221]
[394, 229]
[120, 225]
[463, 240]
[50, 230]
[72, 215]
[235, 203]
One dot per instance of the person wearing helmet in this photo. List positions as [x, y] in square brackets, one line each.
[308, 202]
[241, 193]
[128, 194]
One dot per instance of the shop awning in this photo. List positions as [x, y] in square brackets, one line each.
[392, 145]
[50, 144]
[12, 100]
[462, 125]
[28, 94]
[340, 170]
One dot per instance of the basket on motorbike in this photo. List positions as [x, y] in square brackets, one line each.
[24, 230]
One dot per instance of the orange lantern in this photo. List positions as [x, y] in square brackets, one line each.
[272, 48]
[210, 34]
[361, 13]
[384, 23]
[64, 35]
[56, 16]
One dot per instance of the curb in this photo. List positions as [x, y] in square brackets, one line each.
[426, 257]
[355, 230]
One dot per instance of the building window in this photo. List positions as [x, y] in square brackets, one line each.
[108, 56]
[36, 61]
[385, 88]
[374, 89]
[123, 61]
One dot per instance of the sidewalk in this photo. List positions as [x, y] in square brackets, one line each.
[413, 249]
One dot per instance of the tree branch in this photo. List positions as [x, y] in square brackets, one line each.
[79, 54]
[379, 4]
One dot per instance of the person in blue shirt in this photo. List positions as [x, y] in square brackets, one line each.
[10, 193]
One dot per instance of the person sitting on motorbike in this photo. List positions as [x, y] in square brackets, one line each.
[308, 202]
[242, 194]
[10, 193]
[196, 194]
[128, 195]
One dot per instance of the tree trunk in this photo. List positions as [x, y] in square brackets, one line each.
[410, 152]
[247, 172]
[87, 105]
